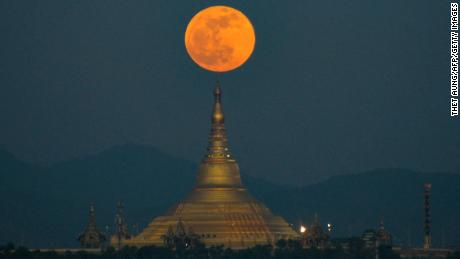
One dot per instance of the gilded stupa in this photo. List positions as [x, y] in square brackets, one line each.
[219, 210]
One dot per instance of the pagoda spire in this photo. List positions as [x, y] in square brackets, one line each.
[218, 143]
[218, 169]
[381, 224]
[91, 237]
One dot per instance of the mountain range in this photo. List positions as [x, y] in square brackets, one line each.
[47, 206]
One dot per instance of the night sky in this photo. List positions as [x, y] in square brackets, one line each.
[332, 87]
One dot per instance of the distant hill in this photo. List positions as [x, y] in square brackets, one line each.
[47, 206]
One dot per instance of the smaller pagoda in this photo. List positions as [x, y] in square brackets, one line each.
[383, 236]
[315, 235]
[180, 236]
[377, 237]
[91, 237]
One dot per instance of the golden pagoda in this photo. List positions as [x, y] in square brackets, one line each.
[219, 210]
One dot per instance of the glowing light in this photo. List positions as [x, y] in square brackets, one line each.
[302, 229]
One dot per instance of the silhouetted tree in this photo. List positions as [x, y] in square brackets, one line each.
[289, 249]
[281, 244]
[386, 252]
[455, 255]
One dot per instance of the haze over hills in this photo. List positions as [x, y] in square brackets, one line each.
[48, 206]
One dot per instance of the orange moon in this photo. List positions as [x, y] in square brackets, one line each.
[220, 38]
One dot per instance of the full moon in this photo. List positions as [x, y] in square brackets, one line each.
[220, 38]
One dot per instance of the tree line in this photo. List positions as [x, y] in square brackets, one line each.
[282, 250]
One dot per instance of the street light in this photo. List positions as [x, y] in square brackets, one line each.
[302, 229]
[329, 227]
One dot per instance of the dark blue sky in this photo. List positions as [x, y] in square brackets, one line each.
[332, 87]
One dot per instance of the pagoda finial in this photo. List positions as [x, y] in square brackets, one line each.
[120, 206]
[218, 146]
[217, 115]
[316, 219]
[382, 224]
